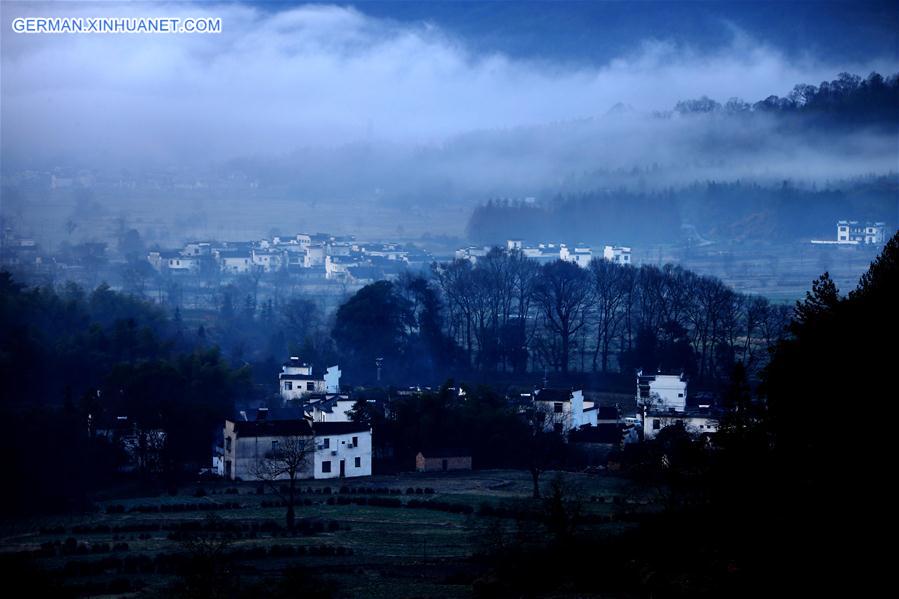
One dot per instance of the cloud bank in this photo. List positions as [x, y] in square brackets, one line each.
[330, 101]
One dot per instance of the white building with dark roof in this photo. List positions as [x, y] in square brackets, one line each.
[326, 449]
[565, 410]
[660, 391]
[297, 379]
[617, 254]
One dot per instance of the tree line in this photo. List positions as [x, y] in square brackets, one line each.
[713, 209]
[509, 314]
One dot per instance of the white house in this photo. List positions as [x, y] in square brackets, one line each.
[185, 264]
[580, 255]
[297, 380]
[337, 267]
[853, 231]
[235, 262]
[269, 260]
[342, 449]
[662, 391]
[315, 255]
[565, 409]
[197, 248]
[332, 379]
[472, 253]
[329, 408]
[696, 422]
[326, 449]
[617, 253]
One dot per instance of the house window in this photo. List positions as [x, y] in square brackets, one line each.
[558, 427]
[326, 466]
[356, 442]
[310, 386]
[274, 447]
[227, 443]
[326, 443]
[358, 462]
[680, 394]
[557, 407]
[656, 424]
[288, 386]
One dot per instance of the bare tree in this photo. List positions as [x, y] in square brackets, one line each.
[541, 448]
[610, 290]
[288, 459]
[564, 294]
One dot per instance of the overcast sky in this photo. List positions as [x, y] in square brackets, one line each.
[286, 77]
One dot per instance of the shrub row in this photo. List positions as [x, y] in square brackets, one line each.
[172, 563]
[169, 508]
[281, 503]
[371, 501]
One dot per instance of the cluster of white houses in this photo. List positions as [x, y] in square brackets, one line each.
[327, 256]
[313, 426]
[579, 254]
[317, 418]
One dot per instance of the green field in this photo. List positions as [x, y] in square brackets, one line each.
[366, 550]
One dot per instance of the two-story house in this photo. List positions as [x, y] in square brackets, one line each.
[325, 449]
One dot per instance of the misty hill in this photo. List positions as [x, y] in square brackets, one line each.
[847, 100]
[739, 211]
[651, 204]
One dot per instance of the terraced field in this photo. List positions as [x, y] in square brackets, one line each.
[410, 535]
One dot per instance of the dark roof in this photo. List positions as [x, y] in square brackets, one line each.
[295, 362]
[688, 413]
[273, 428]
[446, 453]
[607, 413]
[301, 377]
[270, 414]
[553, 395]
[339, 428]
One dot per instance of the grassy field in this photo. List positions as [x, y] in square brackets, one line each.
[409, 544]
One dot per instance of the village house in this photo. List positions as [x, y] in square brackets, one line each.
[617, 254]
[269, 260]
[852, 233]
[662, 391]
[197, 248]
[580, 255]
[297, 380]
[564, 409]
[326, 449]
[329, 408]
[315, 256]
[697, 421]
[234, 262]
[443, 460]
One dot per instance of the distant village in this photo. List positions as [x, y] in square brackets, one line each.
[316, 421]
[311, 257]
